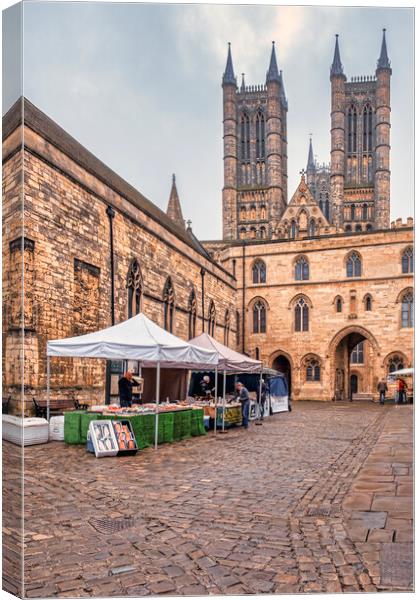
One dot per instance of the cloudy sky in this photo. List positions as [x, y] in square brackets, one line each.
[140, 85]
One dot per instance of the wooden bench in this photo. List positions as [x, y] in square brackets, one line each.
[57, 406]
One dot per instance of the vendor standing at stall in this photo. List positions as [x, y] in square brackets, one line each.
[243, 398]
[125, 389]
[205, 388]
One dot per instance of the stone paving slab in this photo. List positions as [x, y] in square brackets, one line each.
[263, 511]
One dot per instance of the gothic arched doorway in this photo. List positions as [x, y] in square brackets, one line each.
[282, 364]
[353, 346]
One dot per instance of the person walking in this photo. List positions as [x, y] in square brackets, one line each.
[243, 398]
[125, 389]
[261, 400]
[382, 389]
[401, 387]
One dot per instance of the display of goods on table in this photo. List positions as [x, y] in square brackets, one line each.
[103, 438]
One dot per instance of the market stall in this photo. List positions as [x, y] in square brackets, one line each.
[229, 361]
[138, 339]
[407, 375]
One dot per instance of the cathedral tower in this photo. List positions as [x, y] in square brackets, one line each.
[360, 145]
[255, 153]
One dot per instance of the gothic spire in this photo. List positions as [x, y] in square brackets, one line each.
[336, 67]
[229, 75]
[282, 91]
[174, 211]
[311, 162]
[273, 72]
[383, 62]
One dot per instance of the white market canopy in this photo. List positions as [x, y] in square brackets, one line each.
[140, 339]
[229, 360]
[409, 371]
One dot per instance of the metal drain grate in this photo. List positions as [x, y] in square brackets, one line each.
[319, 511]
[112, 525]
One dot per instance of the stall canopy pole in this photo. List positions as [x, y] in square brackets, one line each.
[48, 387]
[215, 399]
[157, 404]
[261, 408]
[224, 397]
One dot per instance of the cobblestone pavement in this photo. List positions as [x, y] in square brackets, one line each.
[297, 505]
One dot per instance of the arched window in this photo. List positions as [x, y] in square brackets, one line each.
[301, 315]
[227, 327]
[313, 369]
[259, 271]
[263, 233]
[368, 302]
[243, 212]
[352, 212]
[263, 212]
[212, 318]
[242, 233]
[192, 316]
[408, 260]
[253, 232]
[312, 228]
[245, 137]
[357, 354]
[364, 212]
[351, 129]
[367, 128]
[259, 313]
[168, 305]
[354, 265]
[339, 304]
[253, 212]
[293, 230]
[407, 312]
[302, 269]
[368, 227]
[395, 363]
[135, 288]
[348, 229]
[260, 136]
[358, 228]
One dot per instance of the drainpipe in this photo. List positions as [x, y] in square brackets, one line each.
[243, 298]
[202, 273]
[111, 214]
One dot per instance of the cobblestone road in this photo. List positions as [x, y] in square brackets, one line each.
[281, 508]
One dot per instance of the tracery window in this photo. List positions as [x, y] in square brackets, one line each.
[259, 271]
[367, 128]
[260, 135]
[259, 313]
[408, 260]
[357, 354]
[351, 129]
[245, 137]
[407, 312]
[135, 288]
[313, 370]
[395, 363]
[212, 318]
[301, 315]
[354, 265]
[302, 269]
[168, 305]
[192, 316]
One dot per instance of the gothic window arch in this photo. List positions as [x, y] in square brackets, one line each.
[245, 137]
[243, 212]
[367, 128]
[259, 316]
[358, 227]
[407, 260]
[364, 212]
[260, 135]
[263, 212]
[338, 304]
[302, 269]
[293, 230]
[263, 233]
[395, 363]
[312, 228]
[253, 232]
[301, 315]
[192, 314]
[212, 318]
[242, 233]
[348, 228]
[352, 212]
[351, 129]
[368, 227]
[253, 212]
[312, 366]
[259, 271]
[168, 305]
[354, 265]
[367, 301]
[407, 310]
[227, 327]
[134, 288]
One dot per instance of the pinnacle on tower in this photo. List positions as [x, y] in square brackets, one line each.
[336, 67]
[311, 162]
[273, 72]
[383, 62]
[243, 83]
[282, 91]
[174, 211]
[229, 75]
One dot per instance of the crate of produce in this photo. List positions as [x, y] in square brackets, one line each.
[103, 438]
[125, 437]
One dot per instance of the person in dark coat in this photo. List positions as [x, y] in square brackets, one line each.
[382, 389]
[125, 389]
[243, 397]
[205, 387]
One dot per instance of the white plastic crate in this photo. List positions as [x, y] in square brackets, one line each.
[57, 428]
[103, 438]
[26, 431]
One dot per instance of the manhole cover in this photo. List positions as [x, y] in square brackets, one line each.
[111, 525]
[397, 565]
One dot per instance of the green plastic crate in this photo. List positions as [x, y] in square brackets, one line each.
[72, 432]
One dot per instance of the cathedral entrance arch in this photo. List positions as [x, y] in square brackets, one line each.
[282, 363]
[344, 382]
